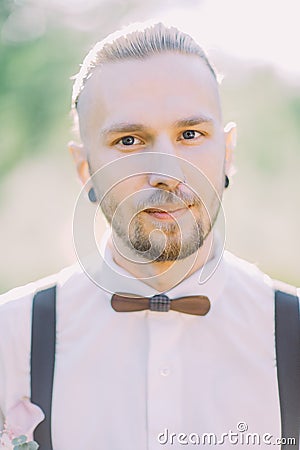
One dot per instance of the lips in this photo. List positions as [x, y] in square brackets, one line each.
[153, 210]
[165, 209]
[166, 213]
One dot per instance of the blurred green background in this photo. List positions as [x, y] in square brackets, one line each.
[42, 44]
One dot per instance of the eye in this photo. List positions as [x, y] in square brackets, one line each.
[190, 134]
[129, 140]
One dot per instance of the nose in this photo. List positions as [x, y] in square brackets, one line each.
[168, 174]
[162, 181]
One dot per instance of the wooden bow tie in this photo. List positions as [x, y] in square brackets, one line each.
[198, 305]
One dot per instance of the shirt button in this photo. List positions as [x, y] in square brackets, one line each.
[165, 372]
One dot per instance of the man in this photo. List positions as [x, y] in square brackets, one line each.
[155, 157]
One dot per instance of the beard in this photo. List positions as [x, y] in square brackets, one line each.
[164, 240]
[167, 243]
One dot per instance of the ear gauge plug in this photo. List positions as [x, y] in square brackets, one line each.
[92, 195]
[226, 181]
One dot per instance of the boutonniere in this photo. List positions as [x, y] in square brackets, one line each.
[7, 442]
[20, 422]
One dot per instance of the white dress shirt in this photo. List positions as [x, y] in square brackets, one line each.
[126, 381]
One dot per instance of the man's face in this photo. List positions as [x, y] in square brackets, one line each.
[167, 103]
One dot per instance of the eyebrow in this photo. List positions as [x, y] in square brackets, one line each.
[192, 121]
[122, 127]
[125, 127]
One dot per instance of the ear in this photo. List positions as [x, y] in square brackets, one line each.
[230, 143]
[79, 156]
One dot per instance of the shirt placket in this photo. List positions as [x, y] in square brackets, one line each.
[164, 378]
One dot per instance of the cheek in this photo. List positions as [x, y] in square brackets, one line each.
[126, 191]
[210, 161]
[99, 157]
[208, 178]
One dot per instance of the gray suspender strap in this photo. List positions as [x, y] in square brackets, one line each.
[43, 337]
[287, 331]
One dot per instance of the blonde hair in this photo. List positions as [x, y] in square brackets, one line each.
[137, 41]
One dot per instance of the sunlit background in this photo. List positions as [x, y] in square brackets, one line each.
[253, 44]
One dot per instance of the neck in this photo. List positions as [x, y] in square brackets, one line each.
[164, 275]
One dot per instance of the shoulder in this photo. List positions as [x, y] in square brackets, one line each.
[242, 270]
[248, 275]
[73, 288]
[16, 304]
[240, 264]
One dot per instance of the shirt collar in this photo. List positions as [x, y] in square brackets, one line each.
[209, 280]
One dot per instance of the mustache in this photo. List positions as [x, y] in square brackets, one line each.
[160, 198]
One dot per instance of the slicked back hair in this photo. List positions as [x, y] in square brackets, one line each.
[139, 42]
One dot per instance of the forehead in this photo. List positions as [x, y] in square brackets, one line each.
[155, 90]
